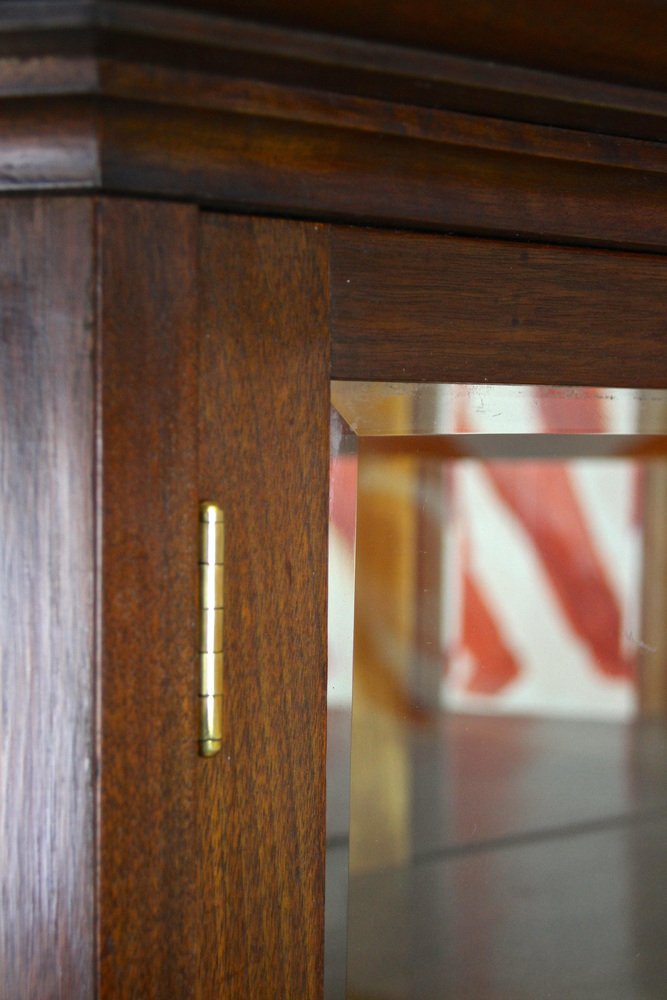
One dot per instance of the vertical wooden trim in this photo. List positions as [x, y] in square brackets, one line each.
[412, 307]
[264, 419]
[149, 757]
[46, 573]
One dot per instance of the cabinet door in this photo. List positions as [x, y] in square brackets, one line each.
[214, 359]
[478, 839]
[263, 451]
[207, 377]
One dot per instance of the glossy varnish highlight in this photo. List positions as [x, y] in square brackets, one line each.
[47, 772]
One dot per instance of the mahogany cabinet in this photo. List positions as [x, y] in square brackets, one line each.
[203, 220]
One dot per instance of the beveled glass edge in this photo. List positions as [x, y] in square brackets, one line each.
[340, 621]
[430, 408]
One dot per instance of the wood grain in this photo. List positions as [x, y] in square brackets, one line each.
[218, 47]
[600, 37]
[148, 903]
[264, 418]
[48, 144]
[83, 50]
[604, 39]
[388, 105]
[47, 563]
[420, 308]
[148, 99]
[264, 164]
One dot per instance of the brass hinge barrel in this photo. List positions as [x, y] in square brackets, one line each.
[211, 609]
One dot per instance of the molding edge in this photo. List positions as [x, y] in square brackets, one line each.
[281, 122]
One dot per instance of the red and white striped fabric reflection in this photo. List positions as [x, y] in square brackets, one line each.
[541, 568]
[542, 564]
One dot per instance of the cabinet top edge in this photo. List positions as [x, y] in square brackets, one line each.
[601, 40]
[293, 116]
[254, 42]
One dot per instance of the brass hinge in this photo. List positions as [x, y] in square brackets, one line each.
[211, 605]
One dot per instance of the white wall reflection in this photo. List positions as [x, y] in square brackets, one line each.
[498, 588]
[541, 558]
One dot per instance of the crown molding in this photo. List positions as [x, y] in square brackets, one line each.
[42, 15]
[154, 100]
[164, 35]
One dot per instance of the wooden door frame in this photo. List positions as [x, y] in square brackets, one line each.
[172, 331]
[202, 112]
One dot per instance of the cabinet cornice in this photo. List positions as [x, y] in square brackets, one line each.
[155, 100]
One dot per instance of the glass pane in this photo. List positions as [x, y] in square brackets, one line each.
[500, 554]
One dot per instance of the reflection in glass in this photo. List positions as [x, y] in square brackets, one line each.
[510, 687]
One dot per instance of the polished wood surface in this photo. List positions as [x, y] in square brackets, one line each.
[210, 873]
[145, 99]
[48, 145]
[263, 433]
[598, 40]
[418, 308]
[47, 559]
[91, 49]
[333, 172]
[608, 40]
[148, 903]
[279, 41]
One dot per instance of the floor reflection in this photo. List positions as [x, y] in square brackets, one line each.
[537, 867]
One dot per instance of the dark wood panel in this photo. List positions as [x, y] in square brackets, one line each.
[598, 37]
[608, 40]
[249, 146]
[265, 164]
[148, 861]
[383, 110]
[66, 52]
[151, 100]
[47, 617]
[264, 417]
[417, 308]
[48, 145]
[215, 46]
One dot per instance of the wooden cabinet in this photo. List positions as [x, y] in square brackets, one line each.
[186, 359]
[156, 350]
